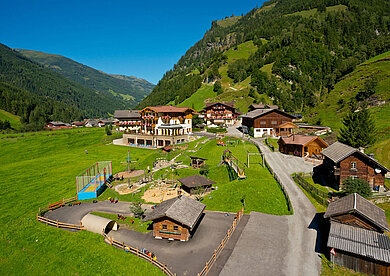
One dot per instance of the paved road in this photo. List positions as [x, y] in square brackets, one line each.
[183, 258]
[278, 245]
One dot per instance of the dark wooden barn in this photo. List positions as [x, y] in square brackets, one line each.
[342, 161]
[356, 234]
[191, 183]
[176, 218]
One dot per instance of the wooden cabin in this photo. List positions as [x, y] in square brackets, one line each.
[262, 106]
[268, 122]
[356, 235]
[357, 211]
[302, 145]
[342, 161]
[191, 183]
[197, 162]
[220, 114]
[176, 218]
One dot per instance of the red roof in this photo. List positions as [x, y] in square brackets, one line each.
[298, 139]
[169, 108]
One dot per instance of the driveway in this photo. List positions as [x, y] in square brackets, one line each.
[278, 245]
[183, 258]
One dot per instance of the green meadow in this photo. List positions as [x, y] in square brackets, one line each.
[13, 119]
[40, 168]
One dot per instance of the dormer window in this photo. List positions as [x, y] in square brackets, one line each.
[353, 165]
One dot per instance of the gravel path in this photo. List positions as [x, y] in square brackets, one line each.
[278, 245]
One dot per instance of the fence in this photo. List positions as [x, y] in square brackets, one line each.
[289, 205]
[94, 173]
[219, 249]
[139, 253]
[319, 195]
[56, 205]
[57, 223]
[269, 145]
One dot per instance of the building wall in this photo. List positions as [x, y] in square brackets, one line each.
[270, 120]
[364, 170]
[361, 264]
[182, 233]
[354, 219]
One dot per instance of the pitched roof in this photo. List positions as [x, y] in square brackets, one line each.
[127, 114]
[195, 181]
[356, 203]
[261, 106]
[359, 241]
[195, 157]
[261, 112]
[299, 139]
[182, 209]
[339, 151]
[230, 104]
[169, 108]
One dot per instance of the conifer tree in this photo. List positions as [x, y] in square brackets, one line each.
[359, 128]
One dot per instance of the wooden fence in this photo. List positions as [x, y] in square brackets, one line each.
[318, 195]
[56, 205]
[139, 253]
[57, 223]
[224, 241]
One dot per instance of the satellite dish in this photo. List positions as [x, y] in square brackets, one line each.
[378, 170]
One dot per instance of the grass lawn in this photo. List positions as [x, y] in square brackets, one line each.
[327, 269]
[320, 208]
[197, 99]
[308, 13]
[13, 119]
[262, 193]
[274, 143]
[244, 50]
[38, 168]
[138, 225]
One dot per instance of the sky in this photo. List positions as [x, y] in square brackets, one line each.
[137, 38]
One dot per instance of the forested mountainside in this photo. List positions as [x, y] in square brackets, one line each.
[299, 50]
[128, 91]
[38, 94]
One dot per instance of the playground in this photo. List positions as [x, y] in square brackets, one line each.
[91, 182]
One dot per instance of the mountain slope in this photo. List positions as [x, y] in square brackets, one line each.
[38, 94]
[304, 46]
[128, 90]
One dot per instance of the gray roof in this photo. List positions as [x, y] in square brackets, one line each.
[127, 114]
[339, 151]
[260, 112]
[182, 209]
[355, 203]
[359, 241]
[195, 181]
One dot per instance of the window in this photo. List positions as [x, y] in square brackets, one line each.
[164, 226]
[175, 228]
[353, 165]
[263, 122]
[274, 122]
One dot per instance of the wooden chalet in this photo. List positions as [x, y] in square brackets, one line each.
[197, 162]
[78, 124]
[269, 122]
[176, 218]
[57, 125]
[128, 121]
[357, 211]
[356, 235]
[220, 114]
[302, 145]
[191, 183]
[342, 161]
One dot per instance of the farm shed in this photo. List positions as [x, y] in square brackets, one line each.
[193, 182]
[357, 211]
[301, 145]
[176, 218]
[197, 162]
[98, 224]
[360, 249]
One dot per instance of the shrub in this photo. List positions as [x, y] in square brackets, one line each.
[357, 185]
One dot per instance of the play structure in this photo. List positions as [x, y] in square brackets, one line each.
[92, 181]
[233, 164]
